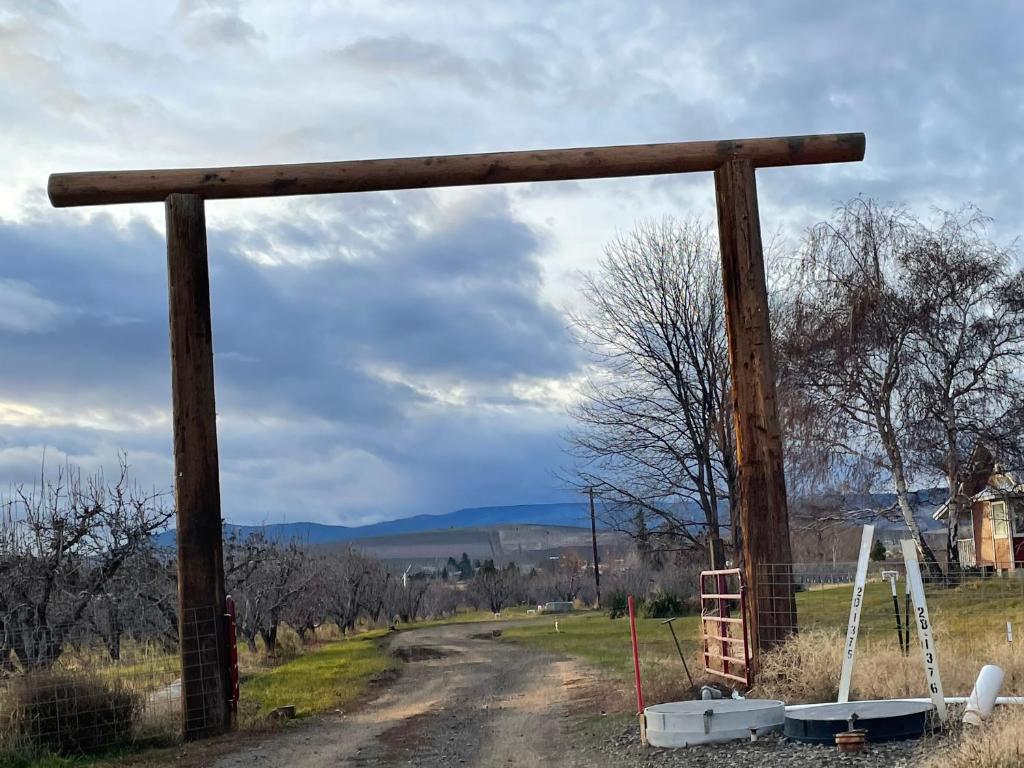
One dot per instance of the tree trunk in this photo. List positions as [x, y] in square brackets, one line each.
[956, 506]
[956, 503]
[903, 499]
[269, 637]
[114, 642]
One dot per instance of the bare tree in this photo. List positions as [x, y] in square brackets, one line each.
[140, 601]
[846, 352]
[826, 527]
[355, 586]
[62, 544]
[495, 587]
[654, 433]
[967, 352]
[440, 600]
[264, 577]
[405, 597]
[307, 611]
[566, 580]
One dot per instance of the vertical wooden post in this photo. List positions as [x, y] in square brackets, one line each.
[762, 485]
[205, 674]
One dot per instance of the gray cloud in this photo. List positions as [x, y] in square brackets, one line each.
[405, 56]
[25, 311]
[216, 22]
[338, 327]
[398, 342]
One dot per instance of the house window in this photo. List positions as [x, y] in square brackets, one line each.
[1000, 520]
[1018, 517]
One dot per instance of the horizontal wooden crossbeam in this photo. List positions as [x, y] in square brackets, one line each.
[107, 187]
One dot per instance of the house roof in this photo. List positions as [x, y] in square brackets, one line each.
[1000, 485]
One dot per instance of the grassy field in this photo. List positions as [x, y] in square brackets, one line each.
[970, 630]
[324, 679]
[591, 635]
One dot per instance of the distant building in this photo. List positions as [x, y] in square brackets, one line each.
[991, 525]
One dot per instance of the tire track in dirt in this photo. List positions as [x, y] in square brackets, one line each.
[464, 698]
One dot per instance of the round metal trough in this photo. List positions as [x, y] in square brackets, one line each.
[883, 720]
[683, 723]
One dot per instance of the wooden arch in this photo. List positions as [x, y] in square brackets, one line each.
[763, 512]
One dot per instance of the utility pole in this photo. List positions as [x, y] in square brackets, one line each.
[593, 538]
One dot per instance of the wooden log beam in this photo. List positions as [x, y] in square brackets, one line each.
[107, 187]
[205, 676]
[764, 518]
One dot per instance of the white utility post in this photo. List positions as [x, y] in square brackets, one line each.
[924, 627]
[856, 606]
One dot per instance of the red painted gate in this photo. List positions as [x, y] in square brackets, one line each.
[723, 625]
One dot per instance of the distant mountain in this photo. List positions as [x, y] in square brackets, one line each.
[573, 515]
[567, 515]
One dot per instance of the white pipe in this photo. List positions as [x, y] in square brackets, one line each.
[983, 697]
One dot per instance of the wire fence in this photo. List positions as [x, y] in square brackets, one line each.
[977, 617]
[67, 691]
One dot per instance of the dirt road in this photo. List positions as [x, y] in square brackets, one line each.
[464, 698]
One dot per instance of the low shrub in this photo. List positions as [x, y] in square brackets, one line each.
[618, 606]
[662, 605]
[68, 713]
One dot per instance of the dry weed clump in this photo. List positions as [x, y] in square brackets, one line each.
[68, 714]
[806, 669]
[998, 744]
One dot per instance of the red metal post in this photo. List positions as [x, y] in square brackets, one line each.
[636, 655]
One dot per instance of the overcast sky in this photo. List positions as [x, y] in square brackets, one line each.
[389, 354]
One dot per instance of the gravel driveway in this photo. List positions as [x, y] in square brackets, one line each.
[467, 698]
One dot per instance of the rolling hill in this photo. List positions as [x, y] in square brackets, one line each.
[569, 515]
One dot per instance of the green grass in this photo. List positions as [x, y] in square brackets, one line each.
[12, 758]
[980, 607]
[605, 642]
[322, 680]
[973, 611]
[470, 617]
[15, 759]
